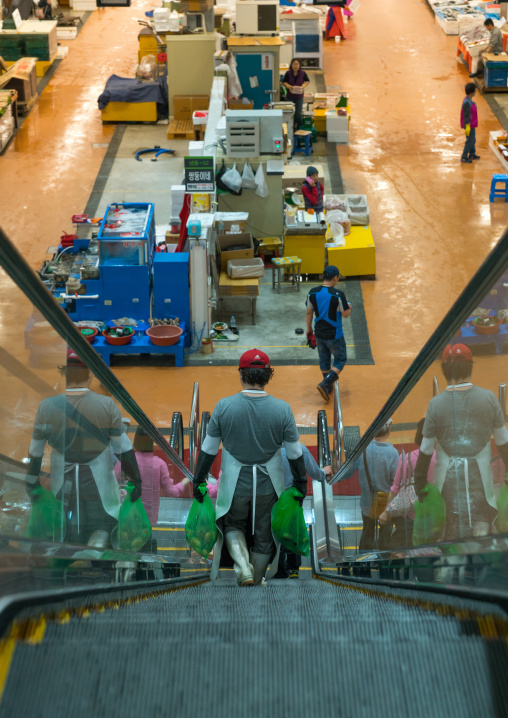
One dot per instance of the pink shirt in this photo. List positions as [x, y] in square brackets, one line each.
[414, 456]
[155, 482]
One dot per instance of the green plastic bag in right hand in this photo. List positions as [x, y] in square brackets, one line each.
[430, 517]
[288, 523]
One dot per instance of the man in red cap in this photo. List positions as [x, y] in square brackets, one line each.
[252, 426]
[461, 420]
[82, 427]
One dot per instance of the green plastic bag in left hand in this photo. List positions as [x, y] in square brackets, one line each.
[200, 529]
[502, 507]
[288, 523]
[47, 518]
[134, 528]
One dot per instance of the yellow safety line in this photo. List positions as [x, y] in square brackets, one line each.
[29, 631]
[267, 346]
[154, 528]
[172, 548]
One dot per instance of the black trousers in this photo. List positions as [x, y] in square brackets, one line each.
[84, 510]
[288, 561]
[239, 518]
[368, 537]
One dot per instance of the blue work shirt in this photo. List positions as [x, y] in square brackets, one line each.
[327, 303]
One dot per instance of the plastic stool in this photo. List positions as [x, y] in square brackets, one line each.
[306, 139]
[499, 179]
[291, 265]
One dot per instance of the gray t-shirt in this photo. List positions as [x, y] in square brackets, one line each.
[80, 425]
[496, 41]
[253, 428]
[463, 420]
[382, 458]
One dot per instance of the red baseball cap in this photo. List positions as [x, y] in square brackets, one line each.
[73, 359]
[254, 358]
[457, 353]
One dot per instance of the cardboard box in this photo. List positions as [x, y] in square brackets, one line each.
[225, 241]
[172, 238]
[196, 5]
[185, 105]
[21, 77]
[246, 268]
[239, 222]
[239, 105]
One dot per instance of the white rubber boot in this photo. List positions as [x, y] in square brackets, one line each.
[237, 547]
[260, 562]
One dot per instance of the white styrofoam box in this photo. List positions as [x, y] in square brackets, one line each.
[66, 33]
[468, 22]
[196, 148]
[336, 123]
[62, 52]
[199, 117]
[84, 5]
[493, 136]
[6, 127]
[340, 137]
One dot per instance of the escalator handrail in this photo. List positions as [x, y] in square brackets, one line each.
[194, 427]
[489, 272]
[324, 455]
[176, 439]
[205, 419]
[338, 427]
[15, 265]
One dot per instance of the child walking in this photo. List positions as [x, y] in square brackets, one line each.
[469, 123]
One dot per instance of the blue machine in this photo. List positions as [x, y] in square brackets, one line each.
[171, 288]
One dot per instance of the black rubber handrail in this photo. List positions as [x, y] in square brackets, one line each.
[488, 273]
[176, 440]
[30, 284]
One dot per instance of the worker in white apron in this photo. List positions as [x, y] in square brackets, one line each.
[461, 421]
[253, 426]
[81, 427]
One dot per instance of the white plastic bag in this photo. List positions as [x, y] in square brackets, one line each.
[335, 234]
[337, 217]
[261, 186]
[146, 68]
[332, 201]
[232, 179]
[248, 179]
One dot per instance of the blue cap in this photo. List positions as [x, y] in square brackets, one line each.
[331, 272]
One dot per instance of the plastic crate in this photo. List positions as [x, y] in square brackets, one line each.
[496, 76]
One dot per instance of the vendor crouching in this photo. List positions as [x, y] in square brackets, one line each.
[252, 426]
[313, 191]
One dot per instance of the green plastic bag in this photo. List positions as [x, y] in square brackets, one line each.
[502, 507]
[134, 528]
[288, 523]
[200, 528]
[430, 517]
[47, 518]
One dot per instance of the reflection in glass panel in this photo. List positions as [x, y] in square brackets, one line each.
[436, 470]
[72, 462]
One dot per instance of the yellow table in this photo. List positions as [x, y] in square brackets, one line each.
[358, 257]
[130, 112]
[310, 248]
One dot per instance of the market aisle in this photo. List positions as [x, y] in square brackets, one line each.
[431, 218]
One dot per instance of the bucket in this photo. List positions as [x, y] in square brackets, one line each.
[207, 346]
[175, 228]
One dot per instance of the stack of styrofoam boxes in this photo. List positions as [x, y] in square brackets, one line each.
[6, 127]
[177, 197]
[83, 5]
[66, 33]
[161, 19]
[337, 127]
[196, 148]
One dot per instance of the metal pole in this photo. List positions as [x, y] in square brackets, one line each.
[502, 398]
[435, 386]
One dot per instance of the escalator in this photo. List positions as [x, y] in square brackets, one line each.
[418, 630]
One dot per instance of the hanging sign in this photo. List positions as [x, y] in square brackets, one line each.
[199, 174]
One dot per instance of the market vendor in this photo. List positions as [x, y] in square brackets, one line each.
[82, 427]
[495, 45]
[252, 426]
[461, 421]
[313, 190]
[295, 81]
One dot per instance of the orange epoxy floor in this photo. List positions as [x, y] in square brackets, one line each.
[430, 215]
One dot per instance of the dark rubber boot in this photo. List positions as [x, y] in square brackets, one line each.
[325, 386]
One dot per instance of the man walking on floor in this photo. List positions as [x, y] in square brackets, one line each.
[329, 305]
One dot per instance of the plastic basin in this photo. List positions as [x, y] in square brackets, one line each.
[479, 329]
[164, 335]
[89, 333]
[117, 341]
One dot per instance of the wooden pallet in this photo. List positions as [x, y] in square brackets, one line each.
[480, 84]
[25, 107]
[181, 130]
